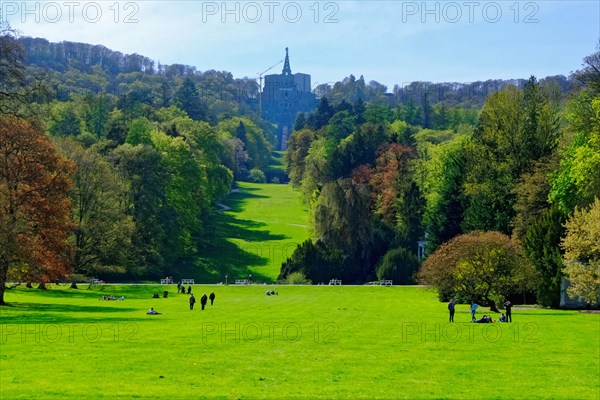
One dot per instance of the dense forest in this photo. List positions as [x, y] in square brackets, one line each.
[139, 153]
[506, 188]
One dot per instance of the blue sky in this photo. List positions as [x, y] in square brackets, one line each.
[393, 42]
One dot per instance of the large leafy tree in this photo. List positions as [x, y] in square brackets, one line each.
[253, 137]
[155, 232]
[396, 197]
[577, 181]
[515, 129]
[483, 266]
[582, 253]
[35, 209]
[103, 228]
[295, 156]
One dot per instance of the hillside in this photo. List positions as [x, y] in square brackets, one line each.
[258, 229]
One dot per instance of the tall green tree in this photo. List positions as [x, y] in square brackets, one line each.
[541, 244]
[103, 228]
[515, 129]
[582, 253]
[188, 99]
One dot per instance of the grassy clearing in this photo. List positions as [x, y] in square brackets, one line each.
[261, 229]
[307, 343]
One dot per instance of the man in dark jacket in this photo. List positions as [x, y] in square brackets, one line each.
[508, 306]
[212, 298]
[451, 307]
[203, 300]
[192, 302]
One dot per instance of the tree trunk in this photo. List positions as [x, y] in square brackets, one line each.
[42, 286]
[74, 285]
[3, 276]
[29, 285]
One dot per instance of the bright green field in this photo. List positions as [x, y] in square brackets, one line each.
[261, 229]
[318, 342]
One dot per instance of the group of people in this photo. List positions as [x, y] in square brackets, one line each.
[203, 300]
[486, 318]
[272, 293]
[112, 297]
[181, 289]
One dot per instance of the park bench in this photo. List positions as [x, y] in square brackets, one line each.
[335, 282]
[187, 281]
[242, 282]
[95, 281]
[386, 282]
[166, 281]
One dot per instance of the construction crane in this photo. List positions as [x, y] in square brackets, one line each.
[260, 78]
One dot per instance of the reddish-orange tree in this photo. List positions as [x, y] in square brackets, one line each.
[35, 210]
[479, 266]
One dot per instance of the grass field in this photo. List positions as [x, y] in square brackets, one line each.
[318, 342]
[261, 229]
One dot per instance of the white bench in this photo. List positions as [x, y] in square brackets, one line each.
[95, 281]
[386, 282]
[187, 282]
[242, 282]
[167, 281]
[335, 282]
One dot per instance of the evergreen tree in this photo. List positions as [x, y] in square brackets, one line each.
[189, 100]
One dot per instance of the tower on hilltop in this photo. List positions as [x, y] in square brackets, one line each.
[283, 97]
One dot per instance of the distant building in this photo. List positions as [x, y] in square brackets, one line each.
[283, 97]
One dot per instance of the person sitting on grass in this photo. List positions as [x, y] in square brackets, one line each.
[155, 296]
[486, 319]
[151, 311]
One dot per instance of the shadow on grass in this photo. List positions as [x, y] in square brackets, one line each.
[30, 313]
[224, 257]
[237, 200]
[64, 308]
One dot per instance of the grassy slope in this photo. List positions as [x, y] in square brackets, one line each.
[367, 346]
[263, 227]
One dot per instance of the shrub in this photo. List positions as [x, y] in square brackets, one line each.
[297, 278]
[257, 176]
[399, 265]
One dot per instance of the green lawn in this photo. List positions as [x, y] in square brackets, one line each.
[261, 229]
[316, 342]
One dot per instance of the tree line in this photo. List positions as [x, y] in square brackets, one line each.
[100, 185]
[506, 201]
[111, 165]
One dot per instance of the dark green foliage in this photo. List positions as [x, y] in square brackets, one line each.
[427, 112]
[443, 219]
[321, 116]
[188, 99]
[399, 265]
[300, 121]
[542, 246]
[316, 261]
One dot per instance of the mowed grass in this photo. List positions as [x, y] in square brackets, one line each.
[318, 342]
[261, 229]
